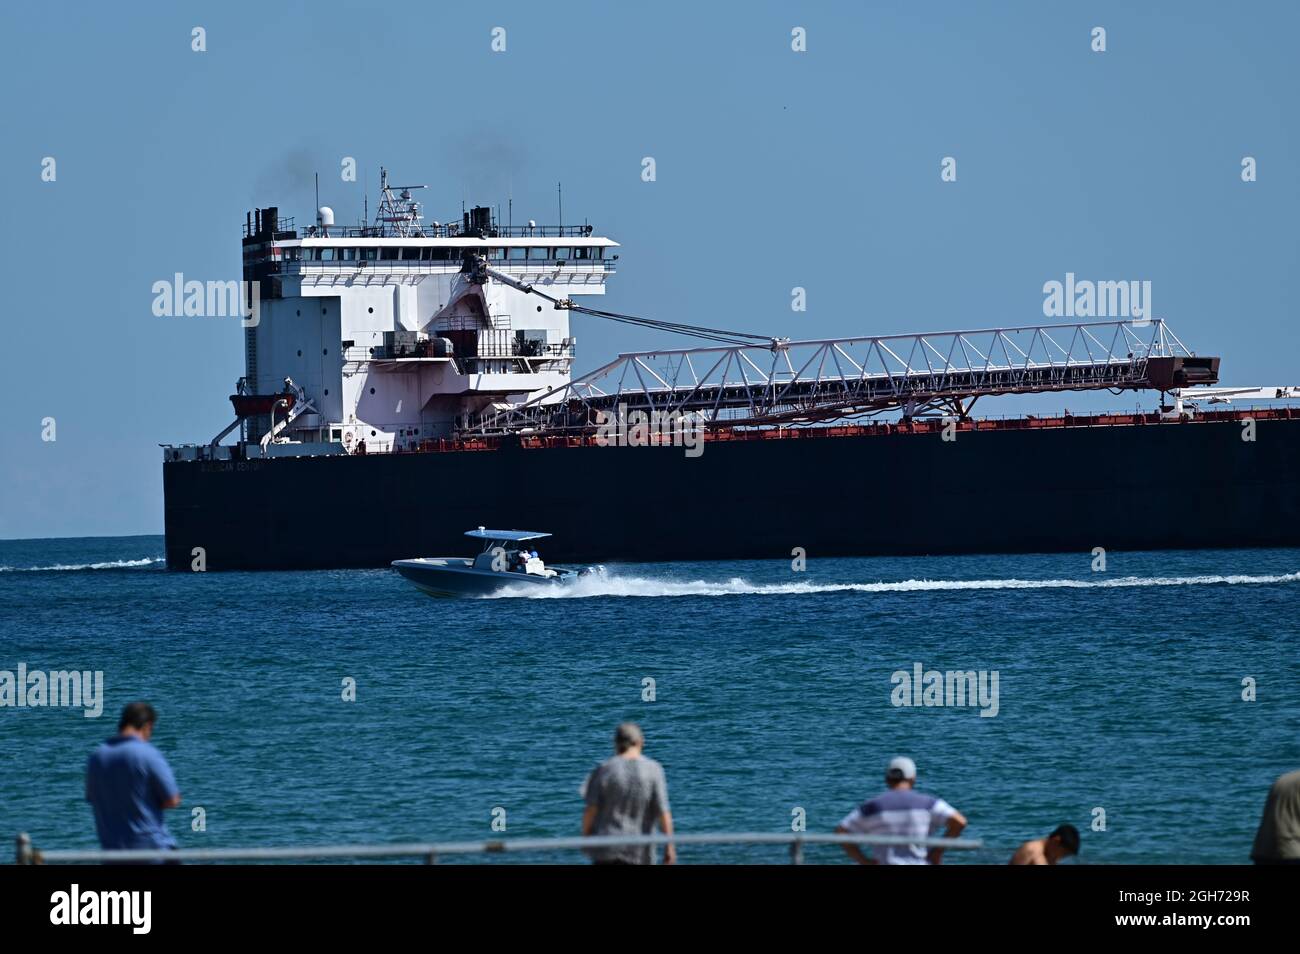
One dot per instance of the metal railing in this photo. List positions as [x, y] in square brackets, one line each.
[579, 265]
[283, 223]
[491, 349]
[464, 363]
[454, 229]
[27, 854]
[360, 354]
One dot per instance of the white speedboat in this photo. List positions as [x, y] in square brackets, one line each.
[505, 561]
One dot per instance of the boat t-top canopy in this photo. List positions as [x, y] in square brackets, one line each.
[506, 536]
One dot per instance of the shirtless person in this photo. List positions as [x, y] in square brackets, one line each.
[1048, 851]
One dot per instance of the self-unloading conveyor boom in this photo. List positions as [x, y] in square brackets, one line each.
[802, 382]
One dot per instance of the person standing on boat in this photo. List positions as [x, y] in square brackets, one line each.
[129, 785]
[627, 794]
[903, 812]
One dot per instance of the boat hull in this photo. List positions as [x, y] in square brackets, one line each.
[452, 577]
[1122, 487]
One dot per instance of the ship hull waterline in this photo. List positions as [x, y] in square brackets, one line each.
[1171, 485]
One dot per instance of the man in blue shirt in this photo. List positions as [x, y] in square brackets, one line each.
[129, 784]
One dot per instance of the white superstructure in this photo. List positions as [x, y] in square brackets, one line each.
[395, 330]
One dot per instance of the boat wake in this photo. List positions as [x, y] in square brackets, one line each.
[633, 586]
[108, 565]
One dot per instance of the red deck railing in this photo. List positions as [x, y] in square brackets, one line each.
[878, 429]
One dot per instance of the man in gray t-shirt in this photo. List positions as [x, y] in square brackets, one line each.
[626, 795]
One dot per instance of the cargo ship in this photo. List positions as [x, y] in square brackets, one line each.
[406, 379]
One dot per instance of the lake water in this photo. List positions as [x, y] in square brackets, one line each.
[773, 691]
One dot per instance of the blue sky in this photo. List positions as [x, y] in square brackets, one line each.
[775, 169]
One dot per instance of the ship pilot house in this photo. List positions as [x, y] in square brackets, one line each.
[381, 336]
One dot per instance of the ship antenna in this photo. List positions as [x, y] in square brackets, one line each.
[559, 191]
[399, 213]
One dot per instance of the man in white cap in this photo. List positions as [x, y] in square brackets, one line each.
[904, 812]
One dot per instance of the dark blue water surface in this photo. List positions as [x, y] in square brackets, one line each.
[1118, 690]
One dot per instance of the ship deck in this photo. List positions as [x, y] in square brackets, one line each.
[918, 426]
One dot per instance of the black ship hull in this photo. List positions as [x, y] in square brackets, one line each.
[1120, 486]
